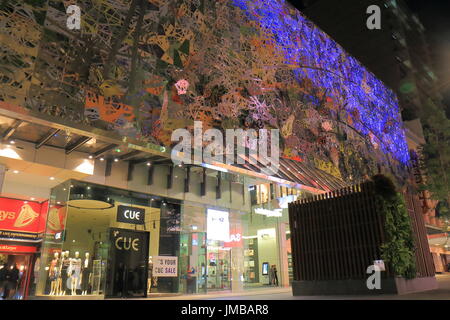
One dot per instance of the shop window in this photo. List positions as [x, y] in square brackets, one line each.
[104, 241]
[253, 195]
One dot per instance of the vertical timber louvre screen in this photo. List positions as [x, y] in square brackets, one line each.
[337, 235]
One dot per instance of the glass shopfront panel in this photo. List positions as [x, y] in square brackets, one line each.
[190, 248]
[103, 241]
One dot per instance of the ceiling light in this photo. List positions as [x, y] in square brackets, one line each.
[32, 199]
[102, 159]
[52, 178]
[116, 160]
[58, 202]
[91, 156]
[16, 171]
[149, 164]
[12, 142]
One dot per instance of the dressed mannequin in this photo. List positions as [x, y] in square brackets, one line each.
[85, 274]
[58, 290]
[65, 262]
[53, 274]
[75, 271]
[149, 276]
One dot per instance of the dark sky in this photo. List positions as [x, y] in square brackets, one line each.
[435, 16]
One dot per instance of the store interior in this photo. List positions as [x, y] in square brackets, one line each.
[78, 254]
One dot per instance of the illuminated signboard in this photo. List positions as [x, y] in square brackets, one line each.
[218, 225]
[269, 213]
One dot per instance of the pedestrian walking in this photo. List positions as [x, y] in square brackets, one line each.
[275, 275]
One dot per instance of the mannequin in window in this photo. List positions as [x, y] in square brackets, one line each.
[75, 272]
[149, 276]
[85, 274]
[65, 262]
[53, 274]
[58, 290]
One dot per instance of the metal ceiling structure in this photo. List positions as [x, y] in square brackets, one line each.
[291, 172]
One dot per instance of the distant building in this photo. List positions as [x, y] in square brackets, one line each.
[399, 55]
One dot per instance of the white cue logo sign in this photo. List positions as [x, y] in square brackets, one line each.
[130, 215]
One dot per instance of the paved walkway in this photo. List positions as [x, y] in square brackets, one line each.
[443, 293]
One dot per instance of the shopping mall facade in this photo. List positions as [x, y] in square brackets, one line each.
[92, 203]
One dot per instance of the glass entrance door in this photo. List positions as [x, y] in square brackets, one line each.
[218, 266]
[18, 267]
[193, 262]
[128, 263]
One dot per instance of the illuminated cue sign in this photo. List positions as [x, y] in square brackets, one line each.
[130, 215]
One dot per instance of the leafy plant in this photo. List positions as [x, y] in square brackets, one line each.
[398, 249]
[435, 160]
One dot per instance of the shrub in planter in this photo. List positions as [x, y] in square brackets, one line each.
[398, 249]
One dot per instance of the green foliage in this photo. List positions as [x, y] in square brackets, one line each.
[398, 249]
[435, 160]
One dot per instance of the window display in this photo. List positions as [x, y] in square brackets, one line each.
[65, 263]
[93, 236]
[251, 274]
[218, 268]
[92, 228]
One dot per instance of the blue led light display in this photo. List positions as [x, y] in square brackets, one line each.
[315, 56]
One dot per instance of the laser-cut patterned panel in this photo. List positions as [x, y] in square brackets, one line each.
[21, 25]
[145, 68]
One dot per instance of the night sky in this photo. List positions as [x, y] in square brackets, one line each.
[435, 16]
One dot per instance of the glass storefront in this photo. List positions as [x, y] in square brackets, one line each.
[103, 241]
[108, 242]
[22, 264]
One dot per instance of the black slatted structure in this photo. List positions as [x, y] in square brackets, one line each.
[336, 236]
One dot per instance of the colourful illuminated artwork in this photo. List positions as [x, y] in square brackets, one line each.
[145, 68]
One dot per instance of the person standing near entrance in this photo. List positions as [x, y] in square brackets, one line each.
[13, 280]
[275, 275]
[271, 275]
[3, 273]
[10, 282]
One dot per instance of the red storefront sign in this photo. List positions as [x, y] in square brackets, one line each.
[17, 249]
[235, 239]
[22, 219]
